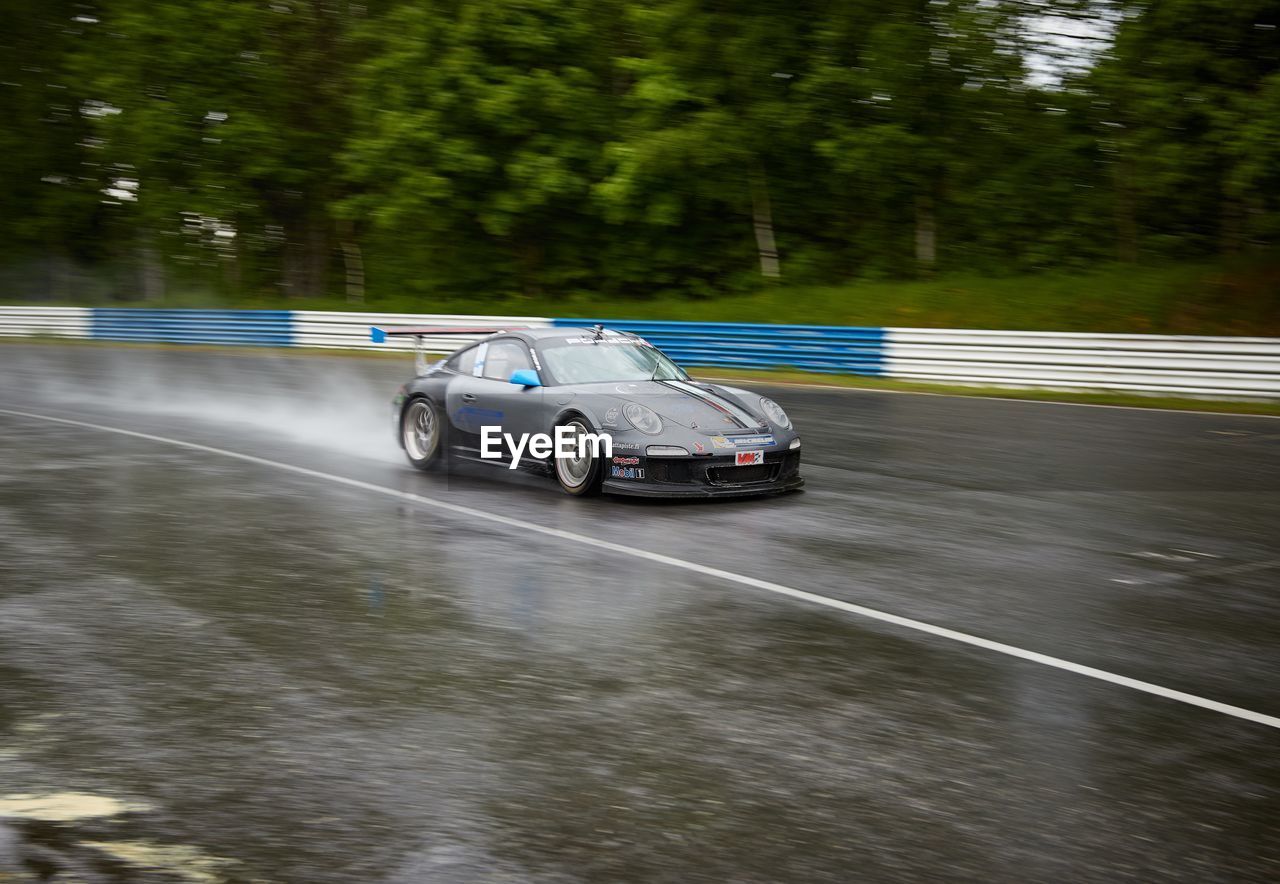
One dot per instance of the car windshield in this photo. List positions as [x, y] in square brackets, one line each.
[588, 360]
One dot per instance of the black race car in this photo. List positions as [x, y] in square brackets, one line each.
[598, 409]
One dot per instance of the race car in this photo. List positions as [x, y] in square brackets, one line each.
[600, 410]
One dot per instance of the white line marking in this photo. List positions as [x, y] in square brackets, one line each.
[705, 570]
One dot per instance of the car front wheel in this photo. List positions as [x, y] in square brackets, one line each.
[582, 473]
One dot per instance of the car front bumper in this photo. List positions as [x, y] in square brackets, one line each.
[705, 476]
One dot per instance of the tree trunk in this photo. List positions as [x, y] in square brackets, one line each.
[1126, 215]
[353, 259]
[306, 256]
[152, 270]
[59, 274]
[1231, 226]
[529, 256]
[762, 218]
[1254, 209]
[233, 267]
[926, 234]
[291, 266]
[317, 256]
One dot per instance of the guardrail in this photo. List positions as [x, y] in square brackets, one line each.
[1143, 363]
[818, 348]
[272, 328]
[1180, 364]
[63, 322]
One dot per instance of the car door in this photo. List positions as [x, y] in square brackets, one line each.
[487, 398]
[521, 406]
[461, 417]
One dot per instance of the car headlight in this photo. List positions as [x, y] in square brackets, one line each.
[643, 419]
[774, 412]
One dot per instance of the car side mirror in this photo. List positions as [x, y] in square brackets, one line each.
[526, 377]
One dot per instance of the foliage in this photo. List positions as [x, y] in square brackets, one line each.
[1233, 297]
[478, 152]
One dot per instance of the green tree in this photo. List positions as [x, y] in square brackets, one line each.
[52, 218]
[478, 132]
[547, 146]
[711, 137]
[1188, 97]
[224, 117]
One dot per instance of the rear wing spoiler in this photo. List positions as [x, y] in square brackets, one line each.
[380, 335]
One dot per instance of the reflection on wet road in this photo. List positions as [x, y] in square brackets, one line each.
[212, 670]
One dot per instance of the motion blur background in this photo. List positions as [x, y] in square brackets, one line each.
[1099, 165]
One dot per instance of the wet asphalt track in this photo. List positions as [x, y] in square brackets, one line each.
[285, 679]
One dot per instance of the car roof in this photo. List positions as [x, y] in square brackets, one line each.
[559, 333]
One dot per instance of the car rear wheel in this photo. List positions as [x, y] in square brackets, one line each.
[582, 473]
[422, 432]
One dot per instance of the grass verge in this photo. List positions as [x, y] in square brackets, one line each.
[1239, 296]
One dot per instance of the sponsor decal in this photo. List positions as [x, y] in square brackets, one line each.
[748, 458]
[634, 342]
[749, 441]
[566, 443]
[472, 411]
[611, 417]
[626, 473]
[721, 442]
[627, 446]
[627, 461]
[482, 352]
[468, 417]
[699, 448]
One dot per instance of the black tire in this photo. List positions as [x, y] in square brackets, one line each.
[424, 432]
[581, 477]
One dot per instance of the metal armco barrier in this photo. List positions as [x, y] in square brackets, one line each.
[261, 327]
[818, 348]
[63, 322]
[1178, 364]
[1225, 366]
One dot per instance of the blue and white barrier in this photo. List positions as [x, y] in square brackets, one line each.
[819, 348]
[1186, 364]
[1181, 364]
[264, 328]
[61, 322]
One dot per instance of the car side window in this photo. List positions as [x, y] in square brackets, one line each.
[464, 362]
[504, 358]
